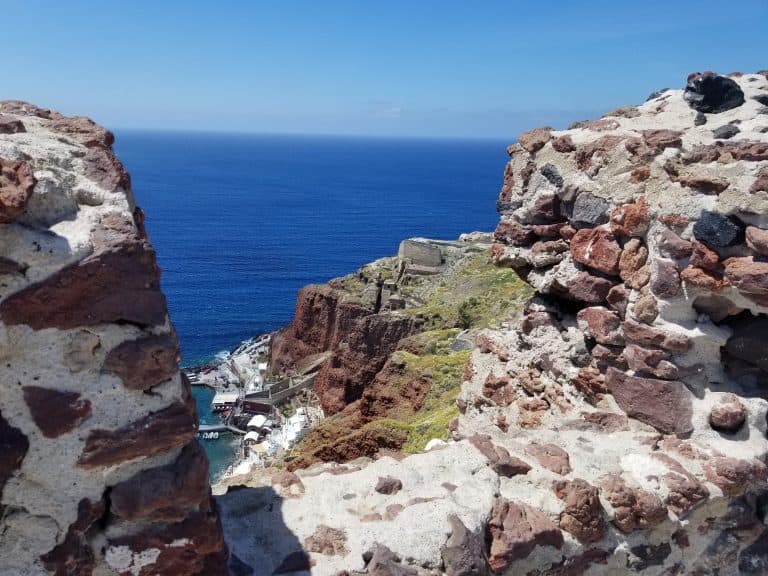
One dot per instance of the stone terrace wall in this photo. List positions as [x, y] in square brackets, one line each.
[100, 471]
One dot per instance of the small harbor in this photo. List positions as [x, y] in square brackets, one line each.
[248, 418]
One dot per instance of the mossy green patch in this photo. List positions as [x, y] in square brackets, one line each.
[476, 295]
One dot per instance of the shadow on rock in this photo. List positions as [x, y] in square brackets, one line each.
[260, 543]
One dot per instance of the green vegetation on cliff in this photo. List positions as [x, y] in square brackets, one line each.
[412, 400]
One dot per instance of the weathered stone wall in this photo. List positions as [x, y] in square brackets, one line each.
[618, 426]
[100, 471]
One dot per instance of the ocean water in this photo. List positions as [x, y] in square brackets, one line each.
[241, 222]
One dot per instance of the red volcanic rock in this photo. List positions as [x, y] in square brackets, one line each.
[750, 151]
[665, 279]
[328, 541]
[488, 345]
[514, 530]
[728, 416]
[498, 389]
[544, 254]
[640, 174]
[747, 275]
[757, 240]
[118, 282]
[703, 279]
[674, 221]
[606, 421]
[563, 144]
[704, 184]
[155, 433]
[685, 491]
[361, 342]
[181, 549]
[103, 167]
[596, 248]
[13, 449]
[590, 382]
[165, 493]
[21, 108]
[388, 485]
[663, 404]
[658, 140]
[551, 457]
[586, 287]
[16, 186]
[498, 457]
[583, 514]
[632, 268]
[84, 130]
[54, 411]
[530, 411]
[761, 182]
[600, 147]
[512, 232]
[633, 508]
[547, 230]
[546, 208]
[673, 246]
[650, 361]
[703, 257]
[534, 140]
[734, 476]
[648, 336]
[74, 556]
[11, 125]
[630, 219]
[144, 362]
[288, 483]
[604, 356]
[618, 298]
[601, 324]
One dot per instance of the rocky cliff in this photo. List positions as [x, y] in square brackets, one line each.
[618, 426]
[100, 471]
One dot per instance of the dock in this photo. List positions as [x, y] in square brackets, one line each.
[219, 428]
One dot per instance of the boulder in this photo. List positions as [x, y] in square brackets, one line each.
[712, 94]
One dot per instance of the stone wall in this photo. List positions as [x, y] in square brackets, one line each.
[100, 469]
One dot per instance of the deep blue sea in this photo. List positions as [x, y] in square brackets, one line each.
[241, 222]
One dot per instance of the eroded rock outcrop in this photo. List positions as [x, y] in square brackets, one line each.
[100, 470]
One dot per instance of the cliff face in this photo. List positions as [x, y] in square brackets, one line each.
[619, 425]
[100, 471]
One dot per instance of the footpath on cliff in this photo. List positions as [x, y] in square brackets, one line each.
[614, 424]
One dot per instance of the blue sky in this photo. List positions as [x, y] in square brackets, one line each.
[481, 68]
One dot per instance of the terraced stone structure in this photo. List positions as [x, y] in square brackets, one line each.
[100, 470]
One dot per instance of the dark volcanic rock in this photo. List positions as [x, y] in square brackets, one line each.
[74, 556]
[583, 514]
[748, 340]
[11, 125]
[589, 210]
[158, 432]
[712, 94]
[665, 405]
[718, 230]
[726, 131]
[164, 493]
[700, 119]
[514, 530]
[118, 282]
[54, 411]
[389, 485]
[145, 362]
[13, 448]
[550, 173]
[463, 553]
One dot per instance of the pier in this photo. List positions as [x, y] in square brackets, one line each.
[219, 428]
